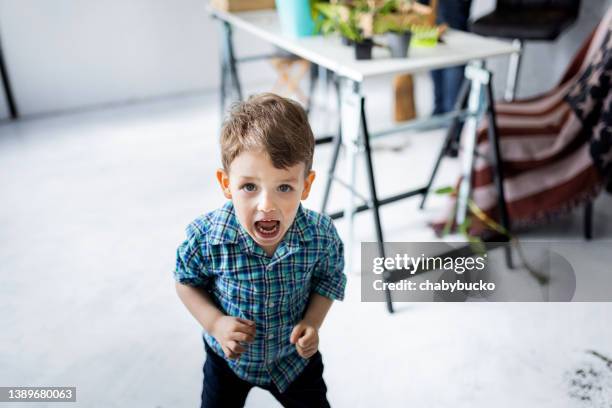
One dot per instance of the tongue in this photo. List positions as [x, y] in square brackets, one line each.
[267, 225]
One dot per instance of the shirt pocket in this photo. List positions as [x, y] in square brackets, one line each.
[238, 290]
[300, 281]
[299, 293]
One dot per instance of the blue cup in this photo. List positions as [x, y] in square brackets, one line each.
[295, 18]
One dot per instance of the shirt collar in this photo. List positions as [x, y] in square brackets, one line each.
[300, 231]
[227, 230]
[225, 227]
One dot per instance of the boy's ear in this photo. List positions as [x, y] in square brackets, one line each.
[223, 179]
[307, 184]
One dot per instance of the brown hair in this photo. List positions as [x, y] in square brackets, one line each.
[269, 122]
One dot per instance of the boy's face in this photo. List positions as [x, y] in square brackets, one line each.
[265, 198]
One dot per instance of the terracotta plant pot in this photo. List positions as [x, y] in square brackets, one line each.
[363, 49]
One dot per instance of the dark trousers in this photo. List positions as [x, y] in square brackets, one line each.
[447, 81]
[222, 388]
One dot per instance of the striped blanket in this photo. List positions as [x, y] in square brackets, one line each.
[556, 148]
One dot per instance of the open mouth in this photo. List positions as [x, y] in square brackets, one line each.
[267, 228]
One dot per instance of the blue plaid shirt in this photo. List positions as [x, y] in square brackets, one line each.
[243, 281]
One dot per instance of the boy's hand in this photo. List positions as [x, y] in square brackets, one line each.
[306, 339]
[230, 332]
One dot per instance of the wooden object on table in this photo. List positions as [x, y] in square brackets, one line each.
[434, 12]
[242, 5]
[291, 71]
[403, 89]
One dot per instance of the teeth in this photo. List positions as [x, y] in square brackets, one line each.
[267, 231]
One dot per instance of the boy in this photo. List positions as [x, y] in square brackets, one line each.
[260, 273]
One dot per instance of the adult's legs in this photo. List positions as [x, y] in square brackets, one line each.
[222, 388]
[455, 13]
[447, 81]
[437, 76]
[452, 78]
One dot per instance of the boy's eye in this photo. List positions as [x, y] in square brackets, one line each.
[249, 187]
[285, 188]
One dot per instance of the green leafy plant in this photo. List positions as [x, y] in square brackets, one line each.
[476, 243]
[360, 19]
[350, 18]
[337, 18]
[398, 16]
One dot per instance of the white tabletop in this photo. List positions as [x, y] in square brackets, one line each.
[459, 47]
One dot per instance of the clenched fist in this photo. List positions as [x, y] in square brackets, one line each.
[306, 339]
[230, 331]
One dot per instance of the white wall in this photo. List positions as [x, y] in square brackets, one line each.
[66, 54]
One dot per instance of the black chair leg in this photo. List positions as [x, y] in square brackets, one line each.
[451, 137]
[374, 196]
[498, 172]
[588, 221]
[314, 76]
[331, 172]
[8, 90]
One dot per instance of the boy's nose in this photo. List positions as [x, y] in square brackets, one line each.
[266, 204]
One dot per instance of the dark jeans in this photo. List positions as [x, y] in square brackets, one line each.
[224, 389]
[447, 81]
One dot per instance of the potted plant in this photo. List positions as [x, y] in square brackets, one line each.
[398, 43]
[357, 21]
[345, 19]
[396, 18]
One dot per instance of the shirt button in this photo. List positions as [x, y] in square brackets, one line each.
[271, 304]
[270, 336]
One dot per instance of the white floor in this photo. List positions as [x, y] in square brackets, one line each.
[94, 205]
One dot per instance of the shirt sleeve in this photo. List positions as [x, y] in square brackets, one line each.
[190, 261]
[329, 279]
